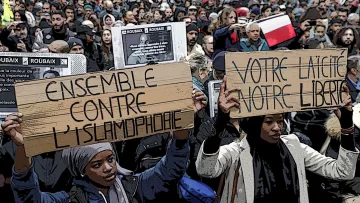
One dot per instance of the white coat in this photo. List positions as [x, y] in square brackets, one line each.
[227, 158]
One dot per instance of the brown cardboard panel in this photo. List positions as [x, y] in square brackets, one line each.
[286, 81]
[105, 106]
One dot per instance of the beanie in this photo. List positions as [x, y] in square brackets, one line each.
[74, 41]
[191, 27]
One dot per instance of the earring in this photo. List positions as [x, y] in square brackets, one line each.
[82, 175]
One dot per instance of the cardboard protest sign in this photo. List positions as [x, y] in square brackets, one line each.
[286, 81]
[105, 106]
[18, 67]
[138, 45]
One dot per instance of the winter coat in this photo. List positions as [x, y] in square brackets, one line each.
[197, 49]
[228, 157]
[246, 46]
[224, 39]
[46, 37]
[149, 184]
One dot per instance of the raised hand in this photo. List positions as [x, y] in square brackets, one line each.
[226, 102]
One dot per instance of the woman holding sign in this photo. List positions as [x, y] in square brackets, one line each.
[97, 176]
[266, 166]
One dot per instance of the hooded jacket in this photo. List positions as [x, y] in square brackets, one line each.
[143, 187]
[177, 11]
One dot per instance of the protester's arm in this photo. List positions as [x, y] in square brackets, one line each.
[212, 159]
[344, 167]
[24, 181]
[25, 186]
[222, 32]
[168, 171]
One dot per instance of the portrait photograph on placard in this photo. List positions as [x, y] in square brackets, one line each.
[140, 45]
[30, 66]
[147, 44]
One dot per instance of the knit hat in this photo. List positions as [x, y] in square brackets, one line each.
[219, 61]
[255, 11]
[213, 16]
[74, 41]
[191, 27]
[241, 12]
[88, 6]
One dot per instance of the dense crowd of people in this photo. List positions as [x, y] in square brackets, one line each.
[298, 157]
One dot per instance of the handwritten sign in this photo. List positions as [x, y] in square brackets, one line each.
[107, 106]
[286, 81]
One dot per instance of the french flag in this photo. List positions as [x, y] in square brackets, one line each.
[277, 29]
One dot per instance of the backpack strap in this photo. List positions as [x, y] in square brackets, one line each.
[77, 195]
[220, 188]
[236, 178]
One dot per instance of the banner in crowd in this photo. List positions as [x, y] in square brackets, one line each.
[105, 106]
[277, 29]
[18, 67]
[286, 81]
[138, 45]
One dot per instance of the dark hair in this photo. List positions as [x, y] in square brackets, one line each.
[341, 32]
[264, 8]
[320, 25]
[71, 7]
[343, 9]
[57, 74]
[184, 17]
[22, 15]
[106, 50]
[29, 3]
[56, 5]
[58, 12]
[351, 64]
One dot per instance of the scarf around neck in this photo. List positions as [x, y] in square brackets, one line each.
[275, 170]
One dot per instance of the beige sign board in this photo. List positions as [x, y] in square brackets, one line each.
[286, 81]
[105, 106]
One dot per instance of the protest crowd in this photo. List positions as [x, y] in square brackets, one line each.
[293, 157]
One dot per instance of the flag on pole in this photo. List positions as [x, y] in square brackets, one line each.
[277, 29]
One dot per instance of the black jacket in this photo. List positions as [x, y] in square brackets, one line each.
[12, 41]
[199, 136]
[50, 36]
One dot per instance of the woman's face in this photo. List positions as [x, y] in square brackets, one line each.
[231, 19]
[271, 128]
[141, 13]
[106, 37]
[17, 17]
[37, 31]
[267, 12]
[142, 5]
[157, 15]
[102, 169]
[108, 21]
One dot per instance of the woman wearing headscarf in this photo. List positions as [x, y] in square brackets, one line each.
[97, 176]
[265, 166]
[108, 21]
